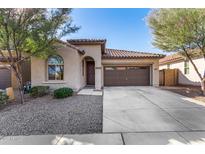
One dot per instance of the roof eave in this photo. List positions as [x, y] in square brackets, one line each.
[72, 46]
[131, 58]
[86, 42]
[101, 42]
[171, 61]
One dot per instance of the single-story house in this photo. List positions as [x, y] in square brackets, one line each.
[187, 75]
[87, 62]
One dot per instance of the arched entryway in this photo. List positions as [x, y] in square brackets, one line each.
[89, 71]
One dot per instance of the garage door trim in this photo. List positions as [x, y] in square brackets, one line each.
[123, 76]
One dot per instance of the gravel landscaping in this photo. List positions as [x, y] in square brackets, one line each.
[76, 114]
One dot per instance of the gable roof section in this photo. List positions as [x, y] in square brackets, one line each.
[101, 42]
[72, 46]
[170, 59]
[125, 54]
[195, 53]
[2, 59]
[87, 41]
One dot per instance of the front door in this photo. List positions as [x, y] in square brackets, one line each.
[90, 73]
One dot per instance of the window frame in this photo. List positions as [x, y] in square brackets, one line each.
[83, 67]
[60, 65]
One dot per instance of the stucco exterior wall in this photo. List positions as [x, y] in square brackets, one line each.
[71, 70]
[155, 73]
[93, 51]
[161, 67]
[191, 78]
[73, 76]
[153, 63]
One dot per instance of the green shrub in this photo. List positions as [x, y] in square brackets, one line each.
[3, 98]
[39, 91]
[63, 92]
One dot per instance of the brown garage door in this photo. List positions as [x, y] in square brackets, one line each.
[127, 76]
[5, 78]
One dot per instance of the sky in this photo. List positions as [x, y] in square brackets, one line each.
[122, 28]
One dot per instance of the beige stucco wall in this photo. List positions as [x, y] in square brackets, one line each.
[71, 70]
[93, 51]
[153, 63]
[191, 78]
[73, 76]
[161, 67]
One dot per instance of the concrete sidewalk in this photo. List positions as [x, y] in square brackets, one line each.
[148, 138]
[84, 139]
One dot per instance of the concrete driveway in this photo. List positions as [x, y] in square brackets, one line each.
[150, 114]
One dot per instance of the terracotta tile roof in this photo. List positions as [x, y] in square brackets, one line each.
[179, 57]
[59, 41]
[101, 42]
[73, 41]
[170, 59]
[115, 53]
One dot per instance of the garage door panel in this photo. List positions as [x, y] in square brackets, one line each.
[120, 77]
[5, 78]
[127, 76]
[114, 77]
[138, 76]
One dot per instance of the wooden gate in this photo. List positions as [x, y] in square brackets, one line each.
[168, 77]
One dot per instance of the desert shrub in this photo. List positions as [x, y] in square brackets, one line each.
[3, 98]
[39, 91]
[63, 92]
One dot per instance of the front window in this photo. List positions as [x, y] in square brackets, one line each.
[186, 67]
[55, 68]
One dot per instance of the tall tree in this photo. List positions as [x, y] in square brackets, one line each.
[180, 30]
[31, 32]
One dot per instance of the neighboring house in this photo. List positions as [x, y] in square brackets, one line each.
[7, 76]
[187, 75]
[85, 62]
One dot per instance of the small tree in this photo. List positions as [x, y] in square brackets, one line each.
[180, 30]
[31, 32]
